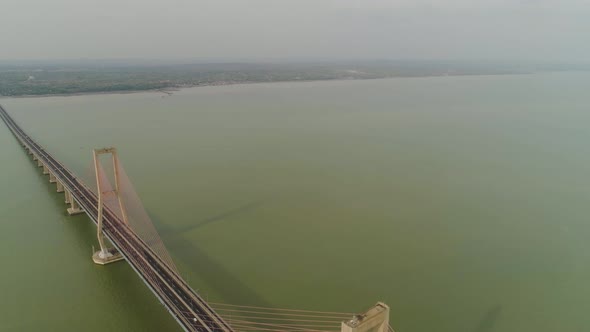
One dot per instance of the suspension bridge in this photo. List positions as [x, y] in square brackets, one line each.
[121, 219]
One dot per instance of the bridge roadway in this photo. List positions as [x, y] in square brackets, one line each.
[185, 305]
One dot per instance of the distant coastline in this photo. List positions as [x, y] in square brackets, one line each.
[74, 94]
[169, 90]
[92, 78]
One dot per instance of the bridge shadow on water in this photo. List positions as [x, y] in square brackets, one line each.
[216, 218]
[222, 281]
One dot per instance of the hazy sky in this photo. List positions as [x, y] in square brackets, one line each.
[540, 30]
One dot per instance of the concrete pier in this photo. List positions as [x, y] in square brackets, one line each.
[45, 170]
[375, 319]
[60, 187]
[39, 163]
[52, 178]
[68, 197]
[75, 209]
[108, 256]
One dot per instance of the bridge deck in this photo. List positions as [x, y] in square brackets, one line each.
[186, 306]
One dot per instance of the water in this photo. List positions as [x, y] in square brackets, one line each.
[462, 202]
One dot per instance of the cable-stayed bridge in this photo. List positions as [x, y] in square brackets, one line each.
[120, 217]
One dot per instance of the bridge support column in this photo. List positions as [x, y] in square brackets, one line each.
[375, 319]
[68, 197]
[60, 187]
[35, 157]
[45, 170]
[75, 209]
[52, 178]
[39, 163]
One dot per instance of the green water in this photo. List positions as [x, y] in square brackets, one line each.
[462, 202]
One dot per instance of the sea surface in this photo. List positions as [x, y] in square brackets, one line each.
[461, 202]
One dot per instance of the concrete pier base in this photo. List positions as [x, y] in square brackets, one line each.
[45, 170]
[375, 319]
[60, 187]
[111, 255]
[73, 212]
[39, 163]
[35, 157]
[52, 178]
[68, 197]
[75, 209]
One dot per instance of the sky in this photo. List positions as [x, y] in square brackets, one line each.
[496, 30]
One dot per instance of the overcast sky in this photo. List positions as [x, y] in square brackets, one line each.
[539, 30]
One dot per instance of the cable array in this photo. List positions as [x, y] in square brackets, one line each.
[255, 318]
[139, 221]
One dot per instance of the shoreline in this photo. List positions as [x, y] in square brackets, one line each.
[170, 91]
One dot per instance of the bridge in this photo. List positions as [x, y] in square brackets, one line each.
[148, 257]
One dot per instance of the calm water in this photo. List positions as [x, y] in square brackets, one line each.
[462, 202]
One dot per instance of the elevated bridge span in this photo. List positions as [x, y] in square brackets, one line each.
[191, 311]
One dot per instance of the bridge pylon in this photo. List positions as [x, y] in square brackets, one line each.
[375, 319]
[107, 255]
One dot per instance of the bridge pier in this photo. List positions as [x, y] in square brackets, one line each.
[68, 197]
[52, 178]
[35, 157]
[107, 256]
[39, 163]
[60, 187]
[45, 170]
[375, 319]
[75, 209]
